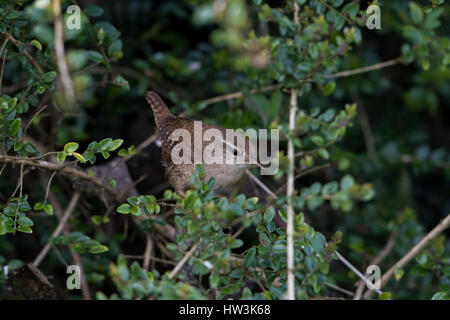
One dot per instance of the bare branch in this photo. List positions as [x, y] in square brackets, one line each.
[148, 252]
[66, 81]
[380, 256]
[184, 260]
[444, 224]
[272, 87]
[289, 193]
[72, 204]
[66, 170]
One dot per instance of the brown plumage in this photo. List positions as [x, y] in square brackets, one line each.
[179, 175]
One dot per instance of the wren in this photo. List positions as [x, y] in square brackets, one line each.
[179, 174]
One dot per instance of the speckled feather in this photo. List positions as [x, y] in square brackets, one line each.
[180, 175]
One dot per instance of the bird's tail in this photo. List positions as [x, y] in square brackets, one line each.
[160, 110]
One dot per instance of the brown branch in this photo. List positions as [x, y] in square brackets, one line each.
[61, 62]
[380, 256]
[32, 118]
[148, 252]
[289, 194]
[72, 204]
[261, 184]
[366, 129]
[444, 224]
[25, 53]
[59, 212]
[303, 173]
[184, 260]
[341, 74]
[376, 66]
[66, 170]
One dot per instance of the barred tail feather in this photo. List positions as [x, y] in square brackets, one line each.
[160, 110]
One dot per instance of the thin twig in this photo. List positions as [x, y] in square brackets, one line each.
[48, 186]
[303, 173]
[76, 256]
[366, 129]
[72, 204]
[261, 184]
[184, 260]
[19, 202]
[272, 87]
[66, 170]
[17, 43]
[356, 271]
[148, 252]
[32, 118]
[289, 194]
[380, 256]
[444, 224]
[332, 286]
[3, 67]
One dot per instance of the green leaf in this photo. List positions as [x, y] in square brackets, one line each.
[24, 229]
[29, 147]
[25, 221]
[113, 145]
[323, 153]
[121, 82]
[237, 243]
[328, 115]
[351, 9]
[98, 249]
[150, 208]
[439, 296]
[70, 147]
[398, 274]
[416, 13]
[14, 264]
[104, 144]
[49, 209]
[38, 206]
[15, 127]
[269, 215]
[235, 274]
[317, 140]
[347, 182]
[214, 280]
[49, 76]
[384, 296]
[250, 258]
[60, 157]
[93, 11]
[79, 157]
[105, 154]
[124, 208]
[135, 210]
[329, 88]
[37, 44]
[97, 220]
[115, 50]
[94, 56]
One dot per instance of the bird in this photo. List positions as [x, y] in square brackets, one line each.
[179, 174]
